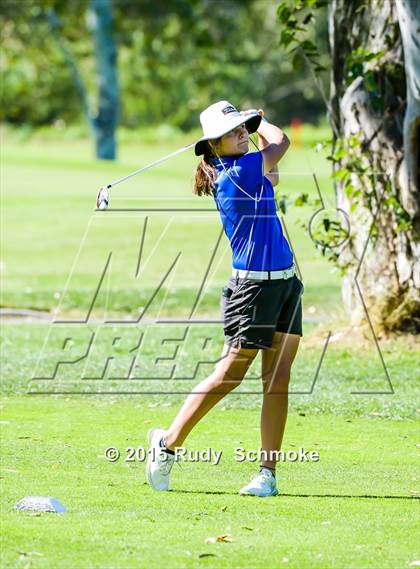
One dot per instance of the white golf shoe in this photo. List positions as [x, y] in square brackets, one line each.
[263, 484]
[159, 463]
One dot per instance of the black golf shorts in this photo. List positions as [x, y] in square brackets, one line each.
[252, 311]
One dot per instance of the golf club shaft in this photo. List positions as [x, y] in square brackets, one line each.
[155, 163]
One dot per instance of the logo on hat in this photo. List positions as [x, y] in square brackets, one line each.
[229, 109]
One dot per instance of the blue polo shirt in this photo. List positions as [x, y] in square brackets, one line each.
[249, 215]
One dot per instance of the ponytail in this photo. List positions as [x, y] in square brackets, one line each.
[205, 175]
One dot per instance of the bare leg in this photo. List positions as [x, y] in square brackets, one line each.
[228, 374]
[276, 366]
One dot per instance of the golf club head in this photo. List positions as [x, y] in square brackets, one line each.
[102, 198]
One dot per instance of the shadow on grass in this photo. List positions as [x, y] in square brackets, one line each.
[368, 496]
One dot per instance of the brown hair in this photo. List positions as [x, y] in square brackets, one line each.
[205, 174]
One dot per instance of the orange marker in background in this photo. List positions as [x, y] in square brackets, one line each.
[296, 127]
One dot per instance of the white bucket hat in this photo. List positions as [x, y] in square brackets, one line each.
[220, 118]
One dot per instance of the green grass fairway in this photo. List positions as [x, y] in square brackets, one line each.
[347, 367]
[356, 507]
[353, 508]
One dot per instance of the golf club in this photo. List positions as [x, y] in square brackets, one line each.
[102, 197]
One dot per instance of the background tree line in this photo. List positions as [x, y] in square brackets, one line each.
[173, 59]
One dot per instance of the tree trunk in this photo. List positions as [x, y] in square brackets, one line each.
[409, 20]
[105, 121]
[378, 124]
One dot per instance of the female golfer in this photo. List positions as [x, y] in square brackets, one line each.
[261, 305]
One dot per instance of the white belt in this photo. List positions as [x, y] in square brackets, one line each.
[264, 275]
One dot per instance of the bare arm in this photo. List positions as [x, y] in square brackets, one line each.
[277, 144]
[273, 175]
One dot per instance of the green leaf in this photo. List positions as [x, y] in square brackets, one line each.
[283, 12]
[353, 141]
[307, 19]
[297, 61]
[292, 24]
[339, 153]
[341, 174]
[375, 55]
[370, 81]
[286, 37]
[282, 203]
[301, 200]
[309, 47]
[348, 189]
[356, 70]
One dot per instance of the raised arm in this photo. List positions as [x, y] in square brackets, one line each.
[277, 144]
[273, 174]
